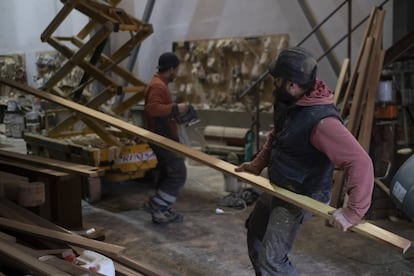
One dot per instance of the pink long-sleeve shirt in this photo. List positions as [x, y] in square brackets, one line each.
[332, 138]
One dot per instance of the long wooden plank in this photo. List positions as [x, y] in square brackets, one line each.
[21, 165]
[354, 74]
[341, 79]
[27, 260]
[376, 65]
[53, 261]
[123, 265]
[368, 105]
[58, 19]
[52, 164]
[48, 234]
[360, 91]
[354, 80]
[307, 203]
[377, 60]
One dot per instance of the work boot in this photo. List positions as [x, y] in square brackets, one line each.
[163, 215]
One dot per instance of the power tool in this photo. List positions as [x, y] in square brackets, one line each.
[189, 118]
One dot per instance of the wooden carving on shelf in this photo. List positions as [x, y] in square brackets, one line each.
[214, 71]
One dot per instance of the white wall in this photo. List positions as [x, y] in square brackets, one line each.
[23, 21]
[191, 19]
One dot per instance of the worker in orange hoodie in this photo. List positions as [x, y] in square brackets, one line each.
[307, 140]
[161, 111]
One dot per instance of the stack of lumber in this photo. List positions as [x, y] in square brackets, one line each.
[358, 102]
[25, 238]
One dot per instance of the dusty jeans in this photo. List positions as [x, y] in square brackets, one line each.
[271, 230]
[172, 171]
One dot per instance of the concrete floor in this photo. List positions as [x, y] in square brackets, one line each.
[207, 243]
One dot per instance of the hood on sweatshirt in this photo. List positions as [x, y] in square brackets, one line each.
[320, 94]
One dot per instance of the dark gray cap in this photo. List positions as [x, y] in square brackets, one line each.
[295, 64]
[167, 60]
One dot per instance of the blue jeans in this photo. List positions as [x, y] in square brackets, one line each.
[271, 230]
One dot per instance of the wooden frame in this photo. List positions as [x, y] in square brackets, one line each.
[108, 19]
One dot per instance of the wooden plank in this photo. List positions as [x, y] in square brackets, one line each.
[123, 265]
[58, 19]
[304, 202]
[63, 192]
[60, 264]
[106, 63]
[48, 234]
[372, 80]
[339, 177]
[337, 188]
[52, 164]
[134, 265]
[68, 122]
[364, 137]
[354, 74]
[359, 94]
[122, 270]
[102, 132]
[28, 261]
[91, 69]
[78, 57]
[341, 79]
[33, 168]
[128, 103]
[7, 237]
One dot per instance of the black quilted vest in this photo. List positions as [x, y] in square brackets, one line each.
[294, 163]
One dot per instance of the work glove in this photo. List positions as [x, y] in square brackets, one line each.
[182, 107]
[339, 221]
[248, 167]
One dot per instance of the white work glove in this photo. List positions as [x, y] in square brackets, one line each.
[182, 107]
[339, 221]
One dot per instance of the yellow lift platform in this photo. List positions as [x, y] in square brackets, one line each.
[78, 138]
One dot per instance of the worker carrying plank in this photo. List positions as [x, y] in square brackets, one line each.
[161, 113]
[308, 139]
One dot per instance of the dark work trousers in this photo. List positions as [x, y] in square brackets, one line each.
[172, 172]
[271, 229]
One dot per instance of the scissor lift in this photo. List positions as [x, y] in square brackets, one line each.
[122, 156]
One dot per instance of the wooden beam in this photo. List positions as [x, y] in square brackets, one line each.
[354, 75]
[128, 103]
[307, 203]
[79, 56]
[44, 233]
[28, 261]
[375, 65]
[91, 69]
[52, 164]
[341, 79]
[123, 265]
[100, 130]
[58, 19]
[46, 256]
[359, 94]
[108, 63]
